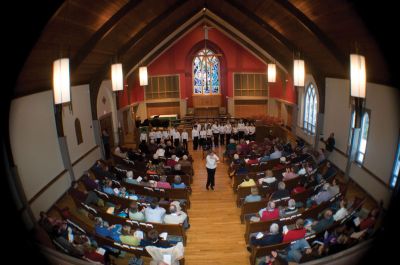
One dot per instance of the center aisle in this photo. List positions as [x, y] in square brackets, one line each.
[216, 235]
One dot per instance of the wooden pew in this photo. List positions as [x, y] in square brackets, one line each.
[171, 229]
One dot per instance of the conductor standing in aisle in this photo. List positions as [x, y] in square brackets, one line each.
[211, 165]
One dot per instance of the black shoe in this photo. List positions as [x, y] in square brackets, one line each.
[249, 249]
[207, 188]
[212, 188]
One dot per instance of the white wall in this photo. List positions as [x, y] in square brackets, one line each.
[34, 141]
[51, 195]
[104, 92]
[383, 102]
[86, 162]
[80, 109]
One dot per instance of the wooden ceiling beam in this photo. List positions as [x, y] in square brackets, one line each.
[256, 19]
[315, 30]
[107, 27]
[99, 76]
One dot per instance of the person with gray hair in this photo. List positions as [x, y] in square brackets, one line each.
[273, 237]
[177, 170]
[281, 193]
[175, 217]
[290, 209]
[178, 184]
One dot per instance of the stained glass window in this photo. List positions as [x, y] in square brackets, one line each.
[206, 73]
[310, 110]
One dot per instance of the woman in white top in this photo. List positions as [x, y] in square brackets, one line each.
[211, 166]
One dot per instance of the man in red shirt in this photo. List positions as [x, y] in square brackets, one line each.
[297, 233]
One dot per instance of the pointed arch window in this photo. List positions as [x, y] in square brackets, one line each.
[362, 146]
[78, 131]
[310, 110]
[206, 73]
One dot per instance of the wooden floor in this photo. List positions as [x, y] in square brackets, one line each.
[216, 235]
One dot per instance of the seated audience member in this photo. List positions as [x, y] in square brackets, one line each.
[101, 228]
[289, 174]
[171, 162]
[268, 179]
[143, 147]
[324, 223]
[161, 151]
[231, 147]
[242, 170]
[157, 254]
[247, 182]
[276, 154]
[302, 170]
[90, 184]
[174, 217]
[87, 197]
[342, 212]
[328, 171]
[334, 188]
[273, 259]
[153, 239]
[129, 178]
[322, 196]
[282, 192]
[118, 152]
[319, 157]
[370, 221]
[271, 238]
[184, 162]
[290, 209]
[269, 213]
[178, 184]
[296, 250]
[137, 155]
[134, 213]
[252, 160]
[155, 160]
[127, 237]
[163, 184]
[254, 196]
[152, 147]
[265, 157]
[154, 213]
[108, 187]
[300, 186]
[297, 233]
[177, 170]
[236, 160]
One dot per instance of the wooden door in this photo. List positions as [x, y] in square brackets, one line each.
[106, 123]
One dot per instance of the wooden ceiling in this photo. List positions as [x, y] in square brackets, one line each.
[94, 34]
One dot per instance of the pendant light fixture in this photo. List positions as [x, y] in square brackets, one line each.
[143, 78]
[117, 78]
[298, 72]
[271, 72]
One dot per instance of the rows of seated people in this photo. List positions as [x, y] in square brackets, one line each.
[138, 189]
[323, 216]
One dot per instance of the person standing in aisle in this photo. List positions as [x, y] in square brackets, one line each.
[185, 138]
[195, 137]
[211, 165]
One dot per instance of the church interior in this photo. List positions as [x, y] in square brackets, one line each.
[205, 111]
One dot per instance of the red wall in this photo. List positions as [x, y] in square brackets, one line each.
[177, 60]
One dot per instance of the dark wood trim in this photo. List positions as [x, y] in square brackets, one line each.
[315, 30]
[85, 155]
[104, 116]
[374, 176]
[105, 29]
[37, 195]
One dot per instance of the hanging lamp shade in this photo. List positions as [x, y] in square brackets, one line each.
[61, 81]
[271, 73]
[143, 76]
[298, 72]
[117, 79]
[357, 75]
